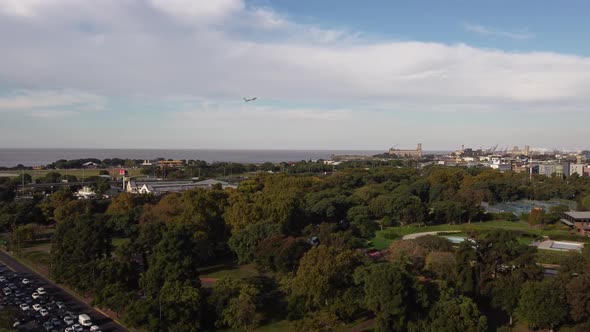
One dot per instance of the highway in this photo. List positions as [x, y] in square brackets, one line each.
[105, 323]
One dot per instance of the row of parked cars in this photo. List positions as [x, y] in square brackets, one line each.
[36, 309]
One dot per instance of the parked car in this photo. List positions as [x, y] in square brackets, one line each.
[41, 290]
[77, 328]
[94, 328]
[44, 312]
[36, 306]
[26, 281]
[60, 304]
[24, 306]
[55, 321]
[84, 320]
[35, 295]
[69, 320]
[48, 326]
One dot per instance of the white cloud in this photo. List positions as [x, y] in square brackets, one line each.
[489, 31]
[199, 11]
[23, 8]
[202, 110]
[54, 103]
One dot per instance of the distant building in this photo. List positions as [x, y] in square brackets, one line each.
[407, 153]
[547, 169]
[171, 163]
[163, 187]
[577, 169]
[562, 169]
[90, 164]
[85, 193]
[578, 220]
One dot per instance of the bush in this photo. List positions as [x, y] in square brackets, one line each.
[509, 216]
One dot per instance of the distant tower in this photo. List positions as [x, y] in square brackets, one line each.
[419, 147]
[578, 159]
[462, 147]
[527, 150]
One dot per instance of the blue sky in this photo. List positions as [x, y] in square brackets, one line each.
[328, 74]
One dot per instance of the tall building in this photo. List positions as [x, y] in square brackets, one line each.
[407, 153]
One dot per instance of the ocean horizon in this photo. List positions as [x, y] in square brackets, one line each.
[11, 157]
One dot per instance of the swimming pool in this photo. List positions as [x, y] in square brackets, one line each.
[567, 245]
[455, 239]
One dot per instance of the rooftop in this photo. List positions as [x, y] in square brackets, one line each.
[579, 214]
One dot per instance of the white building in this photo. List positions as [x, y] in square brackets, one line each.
[85, 193]
[577, 168]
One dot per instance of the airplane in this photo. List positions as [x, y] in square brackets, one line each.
[251, 99]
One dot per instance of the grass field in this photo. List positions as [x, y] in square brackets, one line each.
[229, 270]
[553, 256]
[383, 238]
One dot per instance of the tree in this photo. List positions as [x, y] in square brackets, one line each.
[180, 304]
[318, 321]
[467, 272]
[237, 304]
[243, 242]
[447, 212]
[392, 294]
[543, 304]
[536, 217]
[324, 280]
[175, 259]
[578, 298]
[443, 265]
[408, 209]
[77, 247]
[456, 313]
[407, 252]
[280, 253]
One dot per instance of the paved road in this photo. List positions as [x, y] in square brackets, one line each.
[105, 323]
[417, 235]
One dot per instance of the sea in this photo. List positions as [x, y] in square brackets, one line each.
[37, 157]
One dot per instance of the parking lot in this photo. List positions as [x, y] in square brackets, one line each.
[42, 306]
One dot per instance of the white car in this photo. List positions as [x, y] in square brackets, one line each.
[44, 312]
[94, 328]
[36, 307]
[26, 281]
[24, 306]
[41, 290]
[35, 295]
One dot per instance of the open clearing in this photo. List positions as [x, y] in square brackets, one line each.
[383, 238]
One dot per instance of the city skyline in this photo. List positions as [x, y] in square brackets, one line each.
[329, 75]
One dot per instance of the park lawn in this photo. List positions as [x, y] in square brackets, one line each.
[556, 257]
[383, 238]
[36, 257]
[229, 271]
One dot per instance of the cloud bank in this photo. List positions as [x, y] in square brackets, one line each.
[227, 49]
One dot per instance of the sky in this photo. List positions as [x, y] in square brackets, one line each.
[327, 74]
